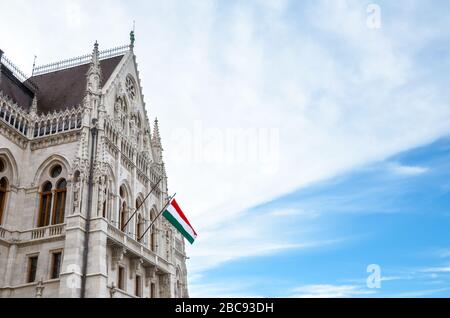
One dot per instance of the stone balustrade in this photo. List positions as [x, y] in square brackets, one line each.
[43, 233]
[38, 126]
[15, 118]
[121, 239]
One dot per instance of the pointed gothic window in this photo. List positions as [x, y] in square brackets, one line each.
[123, 208]
[3, 192]
[123, 216]
[45, 205]
[60, 202]
[139, 228]
[153, 232]
[106, 200]
[130, 87]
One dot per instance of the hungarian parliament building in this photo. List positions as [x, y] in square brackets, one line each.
[82, 181]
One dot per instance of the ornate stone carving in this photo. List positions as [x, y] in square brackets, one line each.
[136, 265]
[117, 256]
[150, 274]
[40, 289]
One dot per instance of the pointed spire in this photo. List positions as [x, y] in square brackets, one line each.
[156, 143]
[156, 136]
[94, 73]
[95, 55]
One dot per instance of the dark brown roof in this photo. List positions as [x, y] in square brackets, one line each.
[66, 88]
[13, 88]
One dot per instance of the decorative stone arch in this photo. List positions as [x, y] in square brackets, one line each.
[122, 111]
[107, 195]
[139, 219]
[111, 177]
[8, 178]
[128, 193]
[153, 233]
[126, 203]
[131, 88]
[12, 171]
[50, 161]
[53, 178]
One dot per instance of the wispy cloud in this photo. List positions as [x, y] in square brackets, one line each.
[340, 94]
[405, 170]
[331, 291]
[444, 269]
[257, 234]
[421, 293]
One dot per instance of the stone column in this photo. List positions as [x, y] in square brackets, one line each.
[12, 253]
[166, 285]
[97, 273]
[70, 278]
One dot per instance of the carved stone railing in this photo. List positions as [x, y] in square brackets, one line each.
[14, 117]
[57, 122]
[136, 248]
[32, 126]
[42, 233]
[80, 60]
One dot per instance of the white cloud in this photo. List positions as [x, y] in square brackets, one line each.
[354, 99]
[407, 170]
[331, 291]
[436, 270]
[421, 293]
[256, 234]
[294, 212]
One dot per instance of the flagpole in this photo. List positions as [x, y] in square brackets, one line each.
[142, 203]
[160, 213]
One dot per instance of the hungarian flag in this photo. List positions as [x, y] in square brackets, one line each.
[176, 217]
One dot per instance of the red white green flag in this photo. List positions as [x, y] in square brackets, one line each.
[176, 217]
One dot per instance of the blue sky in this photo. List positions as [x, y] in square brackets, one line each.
[330, 110]
[394, 213]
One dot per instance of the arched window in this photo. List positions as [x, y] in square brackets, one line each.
[105, 207]
[139, 228]
[139, 220]
[3, 191]
[59, 204]
[123, 208]
[45, 205]
[53, 195]
[153, 233]
[109, 200]
[123, 216]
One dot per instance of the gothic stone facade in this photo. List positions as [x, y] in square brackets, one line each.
[77, 157]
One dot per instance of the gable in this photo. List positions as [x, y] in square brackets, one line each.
[118, 87]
